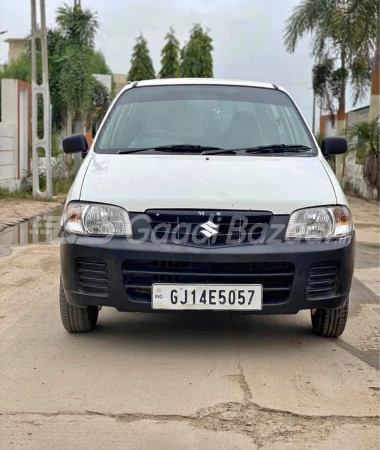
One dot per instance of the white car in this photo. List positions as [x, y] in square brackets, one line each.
[205, 194]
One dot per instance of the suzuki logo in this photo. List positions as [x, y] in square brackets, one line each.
[209, 229]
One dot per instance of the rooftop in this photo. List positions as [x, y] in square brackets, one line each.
[11, 40]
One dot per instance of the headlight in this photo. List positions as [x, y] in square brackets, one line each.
[320, 223]
[97, 219]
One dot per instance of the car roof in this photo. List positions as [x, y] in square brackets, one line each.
[200, 81]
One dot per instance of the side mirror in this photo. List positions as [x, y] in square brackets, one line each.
[334, 146]
[77, 143]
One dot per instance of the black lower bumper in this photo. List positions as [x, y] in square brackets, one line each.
[317, 275]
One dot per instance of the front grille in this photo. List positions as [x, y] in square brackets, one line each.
[323, 280]
[276, 278]
[186, 226]
[92, 275]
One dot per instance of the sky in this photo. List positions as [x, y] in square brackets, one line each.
[247, 36]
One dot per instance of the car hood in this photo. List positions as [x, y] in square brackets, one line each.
[267, 183]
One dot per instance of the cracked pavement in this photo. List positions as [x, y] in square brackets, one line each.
[186, 381]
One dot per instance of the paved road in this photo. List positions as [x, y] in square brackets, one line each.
[179, 381]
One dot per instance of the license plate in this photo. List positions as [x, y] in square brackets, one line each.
[246, 297]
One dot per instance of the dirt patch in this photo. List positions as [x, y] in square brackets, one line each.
[14, 211]
[366, 213]
[366, 216]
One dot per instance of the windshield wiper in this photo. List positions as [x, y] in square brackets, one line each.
[209, 150]
[189, 148]
[219, 151]
[275, 148]
[278, 148]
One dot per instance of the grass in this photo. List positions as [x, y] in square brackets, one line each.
[15, 195]
[61, 186]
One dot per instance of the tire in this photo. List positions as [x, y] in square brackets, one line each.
[329, 323]
[74, 318]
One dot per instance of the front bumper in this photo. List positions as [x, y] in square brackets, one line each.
[302, 258]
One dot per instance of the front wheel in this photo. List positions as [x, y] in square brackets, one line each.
[74, 318]
[329, 322]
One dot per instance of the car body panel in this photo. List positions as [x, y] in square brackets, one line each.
[265, 183]
[340, 197]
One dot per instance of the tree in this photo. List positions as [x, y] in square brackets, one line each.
[66, 59]
[72, 60]
[98, 63]
[76, 61]
[141, 62]
[322, 75]
[170, 57]
[369, 134]
[77, 26]
[365, 15]
[196, 57]
[75, 80]
[341, 30]
[100, 102]
[19, 69]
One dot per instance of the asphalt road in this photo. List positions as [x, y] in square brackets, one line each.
[184, 381]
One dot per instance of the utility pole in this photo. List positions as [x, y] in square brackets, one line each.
[313, 127]
[77, 157]
[43, 91]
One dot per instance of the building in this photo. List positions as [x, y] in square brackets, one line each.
[327, 127]
[17, 46]
[358, 115]
[119, 81]
[352, 173]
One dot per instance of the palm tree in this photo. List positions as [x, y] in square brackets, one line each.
[341, 30]
[76, 84]
[321, 80]
[77, 25]
[365, 14]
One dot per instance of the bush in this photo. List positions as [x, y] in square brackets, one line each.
[20, 194]
[368, 150]
[63, 176]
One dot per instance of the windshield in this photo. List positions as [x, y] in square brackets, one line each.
[227, 117]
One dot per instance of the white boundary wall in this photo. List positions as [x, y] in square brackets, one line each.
[353, 180]
[7, 154]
